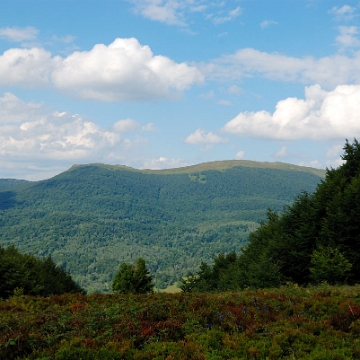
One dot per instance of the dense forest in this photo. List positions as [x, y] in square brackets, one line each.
[314, 240]
[92, 218]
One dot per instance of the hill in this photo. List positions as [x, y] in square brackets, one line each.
[93, 217]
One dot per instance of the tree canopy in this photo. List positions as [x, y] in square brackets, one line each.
[316, 239]
[32, 276]
[131, 279]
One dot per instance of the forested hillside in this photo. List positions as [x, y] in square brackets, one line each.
[94, 217]
[314, 240]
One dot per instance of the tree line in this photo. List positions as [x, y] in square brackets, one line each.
[314, 240]
[24, 274]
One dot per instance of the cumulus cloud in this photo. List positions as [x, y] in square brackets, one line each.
[31, 131]
[344, 12]
[27, 67]
[321, 115]
[327, 71]
[19, 34]
[201, 137]
[123, 71]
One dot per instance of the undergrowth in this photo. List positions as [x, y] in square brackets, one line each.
[311, 323]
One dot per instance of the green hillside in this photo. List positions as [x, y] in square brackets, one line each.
[93, 217]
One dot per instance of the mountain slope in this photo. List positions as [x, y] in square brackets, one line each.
[93, 217]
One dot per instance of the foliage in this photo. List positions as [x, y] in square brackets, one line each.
[133, 280]
[315, 239]
[291, 322]
[22, 274]
[92, 218]
[328, 264]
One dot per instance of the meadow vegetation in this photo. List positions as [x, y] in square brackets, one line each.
[290, 322]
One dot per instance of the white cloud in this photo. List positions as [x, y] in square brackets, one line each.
[126, 126]
[19, 34]
[240, 155]
[130, 125]
[231, 15]
[33, 133]
[200, 137]
[327, 71]
[12, 109]
[345, 12]
[26, 67]
[321, 115]
[266, 23]
[122, 71]
[168, 11]
[177, 12]
[347, 37]
[282, 152]
[164, 163]
[334, 163]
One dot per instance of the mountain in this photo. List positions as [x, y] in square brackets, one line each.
[93, 217]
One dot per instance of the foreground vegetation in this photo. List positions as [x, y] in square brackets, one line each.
[93, 218]
[289, 323]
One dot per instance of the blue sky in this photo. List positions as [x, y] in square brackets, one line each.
[169, 83]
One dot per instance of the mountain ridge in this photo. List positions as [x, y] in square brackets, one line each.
[93, 217]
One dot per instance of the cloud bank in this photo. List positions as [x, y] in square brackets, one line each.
[31, 131]
[322, 115]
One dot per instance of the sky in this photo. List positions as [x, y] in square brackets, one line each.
[156, 84]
